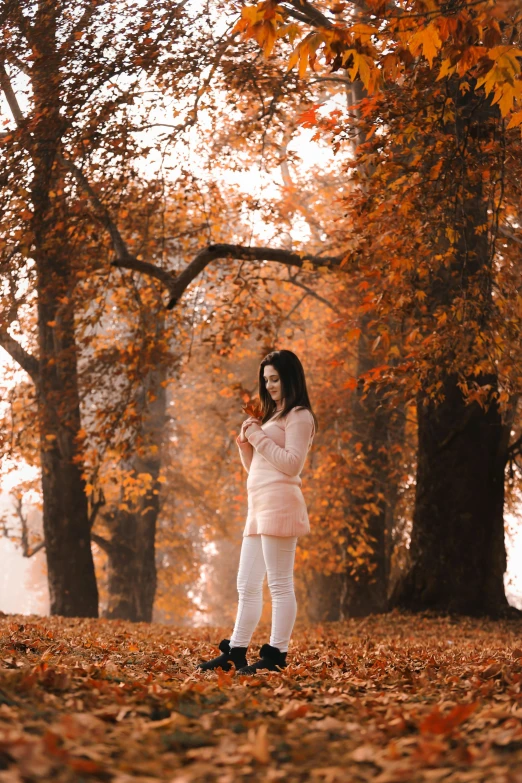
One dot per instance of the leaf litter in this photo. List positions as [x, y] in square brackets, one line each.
[396, 697]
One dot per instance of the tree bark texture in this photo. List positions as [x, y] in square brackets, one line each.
[457, 546]
[377, 427]
[132, 575]
[322, 597]
[72, 583]
[457, 550]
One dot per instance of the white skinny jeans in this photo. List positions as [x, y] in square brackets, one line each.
[274, 555]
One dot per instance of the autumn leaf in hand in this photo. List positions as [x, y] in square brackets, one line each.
[253, 408]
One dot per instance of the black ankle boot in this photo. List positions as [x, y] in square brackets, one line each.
[235, 655]
[270, 658]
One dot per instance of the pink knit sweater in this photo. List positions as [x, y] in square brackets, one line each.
[273, 457]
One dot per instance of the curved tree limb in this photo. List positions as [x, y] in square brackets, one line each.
[178, 284]
[307, 12]
[309, 291]
[510, 234]
[103, 543]
[26, 360]
[213, 252]
[12, 101]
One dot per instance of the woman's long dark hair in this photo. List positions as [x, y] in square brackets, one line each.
[293, 385]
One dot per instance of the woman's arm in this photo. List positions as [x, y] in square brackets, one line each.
[291, 458]
[246, 452]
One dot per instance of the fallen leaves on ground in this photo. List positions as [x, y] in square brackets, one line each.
[386, 698]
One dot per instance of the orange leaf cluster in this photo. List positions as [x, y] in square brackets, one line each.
[467, 41]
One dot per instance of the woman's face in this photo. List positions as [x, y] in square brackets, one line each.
[272, 382]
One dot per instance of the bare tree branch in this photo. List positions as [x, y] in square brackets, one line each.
[306, 12]
[24, 539]
[509, 235]
[26, 360]
[88, 12]
[35, 549]
[514, 449]
[12, 59]
[5, 84]
[95, 507]
[301, 200]
[120, 247]
[295, 307]
[309, 291]
[296, 15]
[102, 542]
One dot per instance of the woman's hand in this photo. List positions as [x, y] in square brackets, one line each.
[245, 425]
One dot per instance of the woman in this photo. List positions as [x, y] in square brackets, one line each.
[273, 450]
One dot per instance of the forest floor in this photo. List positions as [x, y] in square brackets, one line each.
[386, 698]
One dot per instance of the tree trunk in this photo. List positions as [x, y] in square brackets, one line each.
[132, 564]
[322, 597]
[132, 576]
[457, 549]
[72, 582]
[457, 545]
[376, 428]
